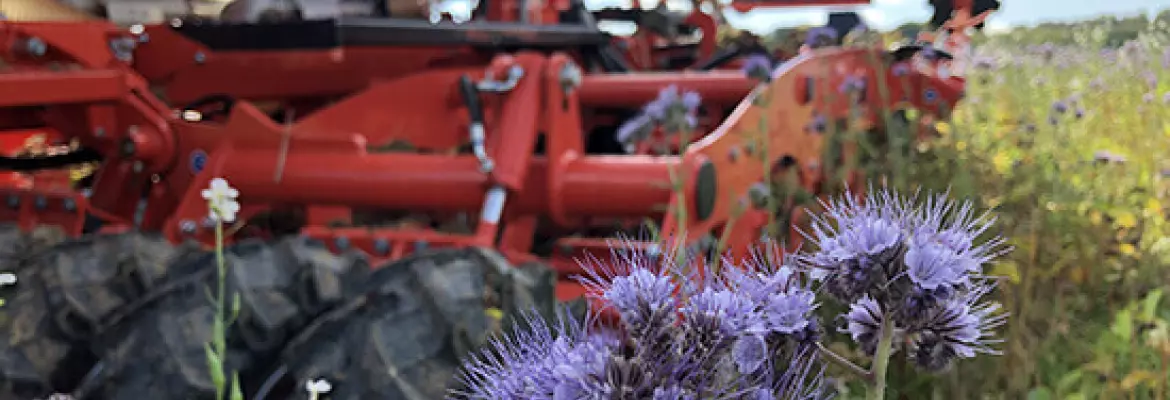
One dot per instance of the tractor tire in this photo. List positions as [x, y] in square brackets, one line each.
[63, 293]
[159, 352]
[406, 336]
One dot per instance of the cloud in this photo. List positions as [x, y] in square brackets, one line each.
[874, 17]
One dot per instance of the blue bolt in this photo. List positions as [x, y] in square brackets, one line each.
[381, 246]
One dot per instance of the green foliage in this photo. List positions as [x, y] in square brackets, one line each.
[1084, 201]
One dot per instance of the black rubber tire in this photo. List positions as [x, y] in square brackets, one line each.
[63, 293]
[405, 337]
[158, 352]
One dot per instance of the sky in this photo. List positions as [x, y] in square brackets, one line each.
[887, 14]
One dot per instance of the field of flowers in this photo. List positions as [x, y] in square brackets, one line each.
[1070, 144]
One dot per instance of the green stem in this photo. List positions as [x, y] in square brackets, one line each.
[842, 362]
[881, 361]
[220, 341]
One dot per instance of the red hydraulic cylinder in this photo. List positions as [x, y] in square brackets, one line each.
[634, 90]
[615, 185]
[592, 186]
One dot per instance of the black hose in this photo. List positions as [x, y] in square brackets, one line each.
[270, 383]
[25, 164]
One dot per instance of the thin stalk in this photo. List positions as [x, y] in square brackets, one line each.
[842, 362]
[219, 341]
[881, 361]
[681, 199]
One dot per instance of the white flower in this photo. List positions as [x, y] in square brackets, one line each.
[221, 200]
[319, 386]
[7, 278]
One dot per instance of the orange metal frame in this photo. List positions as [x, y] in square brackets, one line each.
[321, 163]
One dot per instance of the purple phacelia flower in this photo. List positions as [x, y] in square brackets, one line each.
[671, 110]
[852, 84]
[691, 101]
[819, 124]
[789, 313]
[900, 69]
[901, 259]
[1060, 107]
[750, 352]
[1097, 83]
[634, 129]
[673, 392]
[863, 323]
[688, 334]
[956, 226]
[541, 360]
[723, 312]
[1079, 113]
[933, 265]
[1148, 98]
[959, 328]
[820, 36]
[641, 295]
[757, 66]
[984, 63]
[1108, 157]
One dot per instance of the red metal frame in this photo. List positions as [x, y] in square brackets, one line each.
[321, 162]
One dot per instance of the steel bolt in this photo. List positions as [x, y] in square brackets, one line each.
[138, 167]
[187, 226]
[99, 132]
[36, 46]
[69, 204]
[13, 201]
[123, 48]
[200, 57]
[41, 202]
[570, 76]
[381, 246]
[421, 245]
[342, 243]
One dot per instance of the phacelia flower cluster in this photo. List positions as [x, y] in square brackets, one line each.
[748, 333]
[917, 266]
[672, 111]
[758, 66]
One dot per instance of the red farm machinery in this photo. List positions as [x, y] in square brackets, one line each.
[405, 187]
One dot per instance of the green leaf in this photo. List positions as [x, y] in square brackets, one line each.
[235, 306]
[1069, 380]
[1150, 305]
[214, 367]
[1040, 393]
[236, 393]
[1123, 324]
[1135, 378]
